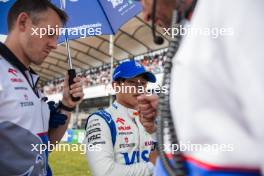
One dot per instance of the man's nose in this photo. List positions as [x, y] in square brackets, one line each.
[53, 43]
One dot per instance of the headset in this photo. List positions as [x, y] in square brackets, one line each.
[157, 39]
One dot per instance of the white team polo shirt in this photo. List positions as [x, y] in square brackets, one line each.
[24, 119]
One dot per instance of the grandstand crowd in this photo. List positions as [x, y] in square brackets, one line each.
[101, 75]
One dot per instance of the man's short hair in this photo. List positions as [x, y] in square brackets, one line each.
[33, 8]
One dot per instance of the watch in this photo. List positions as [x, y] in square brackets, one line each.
[66, 108]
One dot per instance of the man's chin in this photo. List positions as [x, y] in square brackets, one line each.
[39, 62]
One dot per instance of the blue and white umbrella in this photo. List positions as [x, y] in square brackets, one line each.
[99, 17]
[86, 18]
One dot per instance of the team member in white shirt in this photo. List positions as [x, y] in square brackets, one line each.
[25, 118]
[217, 89]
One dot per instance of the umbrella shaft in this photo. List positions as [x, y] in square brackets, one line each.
[68, 51]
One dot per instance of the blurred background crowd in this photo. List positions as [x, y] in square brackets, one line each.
[101, 75]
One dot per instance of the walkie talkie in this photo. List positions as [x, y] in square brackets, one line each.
[71, 71]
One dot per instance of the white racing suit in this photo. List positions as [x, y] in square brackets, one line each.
[124, 145]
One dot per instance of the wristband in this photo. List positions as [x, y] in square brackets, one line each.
[66, 108]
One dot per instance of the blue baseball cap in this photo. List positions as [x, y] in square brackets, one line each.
[131, 69]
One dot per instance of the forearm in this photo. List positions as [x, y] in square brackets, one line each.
[57, 131]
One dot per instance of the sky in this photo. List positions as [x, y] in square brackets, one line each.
[2, 38]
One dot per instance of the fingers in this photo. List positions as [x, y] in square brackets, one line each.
[142, 99]
[150, 127]
[146, 109]
[66, 83]
[146, 120]
[76, 92]
[148, 99]
[77, 84]
[151, 116]
[77, 88]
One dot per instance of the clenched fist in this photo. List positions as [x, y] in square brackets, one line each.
[147, 108]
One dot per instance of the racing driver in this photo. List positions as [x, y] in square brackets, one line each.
[126, 148]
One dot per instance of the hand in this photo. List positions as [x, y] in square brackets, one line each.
[56, 118]
[153, 157]
[147, 108]
[76, 91]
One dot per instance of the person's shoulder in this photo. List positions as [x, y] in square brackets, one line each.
[3, 63]
[101, 113]
[96, 117]
[1, 73]
[3, 66]
[1, 60]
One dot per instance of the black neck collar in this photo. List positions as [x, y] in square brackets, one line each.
[12, 59]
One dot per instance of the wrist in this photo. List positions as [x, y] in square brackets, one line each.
[65, 106]
[67, 103]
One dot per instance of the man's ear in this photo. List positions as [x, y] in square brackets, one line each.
[22, 20]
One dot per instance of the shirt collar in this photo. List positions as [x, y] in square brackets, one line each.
[13, 60]
[10, 57]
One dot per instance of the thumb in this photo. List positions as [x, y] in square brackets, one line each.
[142, 99]
[66, 83]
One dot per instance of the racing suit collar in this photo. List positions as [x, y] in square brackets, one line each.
[132, 113]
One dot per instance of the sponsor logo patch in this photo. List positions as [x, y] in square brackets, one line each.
[94, 137]
[21, 88]
[124, 128]
[127, 145]
[16, 80]
[120, 120]
[12, 71]
[26, 104]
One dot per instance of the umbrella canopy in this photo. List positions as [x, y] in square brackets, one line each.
[86, 17]
[132, 39]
